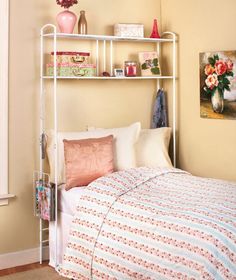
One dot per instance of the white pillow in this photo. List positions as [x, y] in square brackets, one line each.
[152, 148]
[125, 139]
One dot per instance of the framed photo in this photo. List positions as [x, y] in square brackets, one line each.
[218, 85]
[149, 64]
[119, 72]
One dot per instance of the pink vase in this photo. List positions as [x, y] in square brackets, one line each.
[66, 21]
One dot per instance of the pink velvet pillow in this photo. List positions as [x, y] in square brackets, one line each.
[87, 160]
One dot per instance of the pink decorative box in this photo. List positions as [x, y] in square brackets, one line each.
[72, 70]
[71, 57]
[129, 30]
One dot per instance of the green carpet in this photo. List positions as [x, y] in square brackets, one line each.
[44, 273]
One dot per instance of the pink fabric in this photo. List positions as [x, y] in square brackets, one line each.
[87, 160]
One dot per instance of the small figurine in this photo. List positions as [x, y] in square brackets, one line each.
[155, 33]
[105, 74]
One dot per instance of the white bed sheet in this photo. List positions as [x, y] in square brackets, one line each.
[68, 200]
[63, 227]
[67, 203]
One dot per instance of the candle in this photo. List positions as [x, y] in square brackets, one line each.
[130, 68]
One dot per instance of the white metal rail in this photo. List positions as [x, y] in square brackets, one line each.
[42, 125]
[55, 36]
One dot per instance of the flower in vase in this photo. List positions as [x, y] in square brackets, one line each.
[209, 69]
[217, 73]
[220, 67]
[229, 65]
[212, 81]
[66, 3]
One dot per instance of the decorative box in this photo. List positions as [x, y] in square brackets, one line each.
[129, 30]
[72, 70]
[149, 64]
[71, 57]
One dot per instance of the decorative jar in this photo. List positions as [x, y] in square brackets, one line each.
[130, 68]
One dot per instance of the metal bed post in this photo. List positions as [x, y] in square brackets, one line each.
[41, 131]
[97, 57]
[55, 133]
[42, 119]
[174, 103]
[104, 55]
[158, 49]
[174, 95]
[111, 57]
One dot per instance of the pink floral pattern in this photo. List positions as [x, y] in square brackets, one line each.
[153, 224]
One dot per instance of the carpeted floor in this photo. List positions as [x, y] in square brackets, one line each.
[44, 273]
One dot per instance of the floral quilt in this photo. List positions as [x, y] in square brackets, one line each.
[159, 223]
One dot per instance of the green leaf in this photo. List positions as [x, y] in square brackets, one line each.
[213, 90]
[230, 74]
[211, 61]
[144, 66]
[227, 87]
[155, 61]
[207, 90]
[155, 70]
[226, 81]
[216, 57]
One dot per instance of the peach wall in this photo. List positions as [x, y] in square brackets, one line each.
[206, 146]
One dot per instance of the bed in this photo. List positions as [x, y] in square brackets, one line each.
[147, 223]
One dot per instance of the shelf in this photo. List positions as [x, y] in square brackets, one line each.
[106, 38]
[110, 78]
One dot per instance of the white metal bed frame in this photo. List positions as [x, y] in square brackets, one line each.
[55, 36]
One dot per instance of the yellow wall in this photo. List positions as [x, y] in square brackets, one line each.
[107, 103]
[206, 146]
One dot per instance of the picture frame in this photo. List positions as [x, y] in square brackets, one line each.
[119, 72]
[149, 64]
[217, 71]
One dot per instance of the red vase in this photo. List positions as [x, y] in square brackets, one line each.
[155, 33]
[66, 21]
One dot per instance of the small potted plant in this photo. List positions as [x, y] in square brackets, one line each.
[66, 19]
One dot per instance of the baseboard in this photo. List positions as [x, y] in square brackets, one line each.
[22, 257]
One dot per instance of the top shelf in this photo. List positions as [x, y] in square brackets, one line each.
[106, 38]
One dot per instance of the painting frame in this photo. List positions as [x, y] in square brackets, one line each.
[217, 71]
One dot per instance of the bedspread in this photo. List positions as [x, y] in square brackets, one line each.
[158, 223]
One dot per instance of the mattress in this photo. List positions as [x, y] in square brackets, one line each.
[68, 200]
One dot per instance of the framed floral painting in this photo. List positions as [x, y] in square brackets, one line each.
[218, 85]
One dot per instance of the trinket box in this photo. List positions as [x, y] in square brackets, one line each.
[71, 57]
[129, 30]
[72, 70]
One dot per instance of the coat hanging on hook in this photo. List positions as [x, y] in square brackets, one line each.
[159, 117]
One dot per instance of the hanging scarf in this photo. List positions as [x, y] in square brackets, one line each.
[159, 118]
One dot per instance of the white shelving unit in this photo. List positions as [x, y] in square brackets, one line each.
[167, 37]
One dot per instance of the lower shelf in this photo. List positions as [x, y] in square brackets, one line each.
[111, 78]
